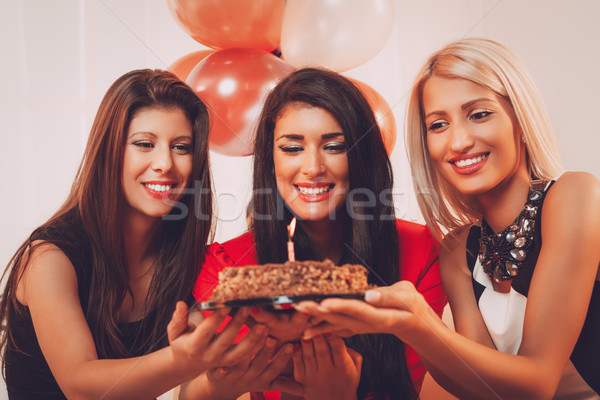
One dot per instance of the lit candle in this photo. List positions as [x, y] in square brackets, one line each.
[290, 245]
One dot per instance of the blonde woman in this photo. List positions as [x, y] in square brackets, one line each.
[520, 258]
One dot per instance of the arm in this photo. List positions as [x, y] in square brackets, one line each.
[49, 289]
[467, 318]
[558, 298]
[422, 268]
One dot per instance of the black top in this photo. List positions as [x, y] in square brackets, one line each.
[27, 373]
[586, 354]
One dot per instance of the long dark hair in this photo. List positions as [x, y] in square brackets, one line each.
[372, 240]
[96, 203]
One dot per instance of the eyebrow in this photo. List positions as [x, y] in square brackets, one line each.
[324, 136]
[154, 135]
[463, 107]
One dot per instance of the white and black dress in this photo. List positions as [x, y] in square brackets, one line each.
[504, 314]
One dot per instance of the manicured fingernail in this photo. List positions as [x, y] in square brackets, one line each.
[372, 295]
[289, 349]
[254, 310]
[260, 329]
[306, 340]
[270, 342]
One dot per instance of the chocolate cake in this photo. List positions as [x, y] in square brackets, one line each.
[294, 278]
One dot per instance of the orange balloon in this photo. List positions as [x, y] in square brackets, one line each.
[184, 65]
[234, 83]
[383, 114]
[223, 24]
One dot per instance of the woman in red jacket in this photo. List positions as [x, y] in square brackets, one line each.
[319, 156]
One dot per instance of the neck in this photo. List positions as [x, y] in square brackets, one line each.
[326, 238]
[138, 232]
[501, 205]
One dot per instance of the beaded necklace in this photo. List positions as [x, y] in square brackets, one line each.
[503, 254]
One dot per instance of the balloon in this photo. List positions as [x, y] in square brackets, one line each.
[335, 34]
[184, 65]
[234, 83]
[223, 24]
[383, 114]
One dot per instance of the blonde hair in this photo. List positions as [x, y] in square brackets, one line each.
[491, 65]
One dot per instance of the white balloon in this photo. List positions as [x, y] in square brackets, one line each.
[335, 34]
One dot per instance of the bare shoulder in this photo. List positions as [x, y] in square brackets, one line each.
[45, 267]
[574, 194]
[44, 255]
[574, 185]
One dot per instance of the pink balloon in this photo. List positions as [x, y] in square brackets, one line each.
[223, 24]
[184, 65]
[383, 114]
[335, 34]
[234, 83]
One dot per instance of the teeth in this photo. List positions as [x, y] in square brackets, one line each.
[158, 188]
[469, 161]
[313, 191]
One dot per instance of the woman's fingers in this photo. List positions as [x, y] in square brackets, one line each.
[401, 295]
[287, 385]
[299, 319]
[298, 361]
[345, 306]
[194, 318]
[261, 359]
[231, 331]
[218, 374]
[178, 323]
[324, 329]
[356, 359]
[308, 355]
[337, 322]
[204, 333]
[307, 307]
[285, 327]
[322, 351]
[338, 349]
[278, 363]
[263, 317]
[247, 347]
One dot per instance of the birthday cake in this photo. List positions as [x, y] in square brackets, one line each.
[293, 278]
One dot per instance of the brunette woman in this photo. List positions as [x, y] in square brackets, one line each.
[319, 157]
[90, 293]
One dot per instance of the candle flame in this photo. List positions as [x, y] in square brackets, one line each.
[292, 228]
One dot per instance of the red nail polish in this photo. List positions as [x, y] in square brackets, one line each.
[306, 341]
[254, 310]
[296, 346]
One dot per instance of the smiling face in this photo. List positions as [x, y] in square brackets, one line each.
[158, 160]
[472, 135]
[311, 165]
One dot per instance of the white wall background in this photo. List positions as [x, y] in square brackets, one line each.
[60, 56]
